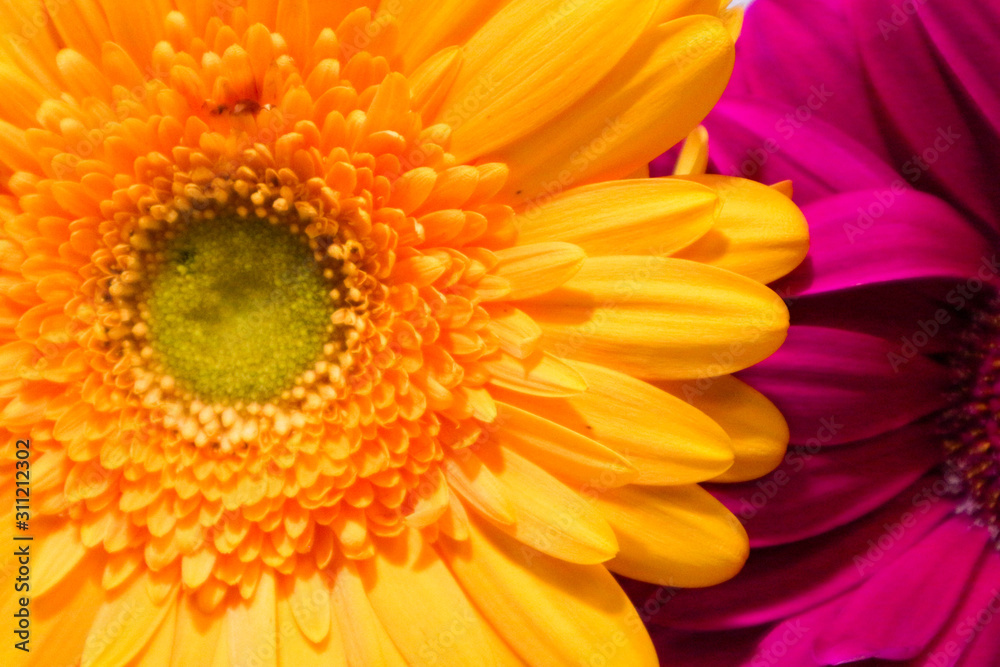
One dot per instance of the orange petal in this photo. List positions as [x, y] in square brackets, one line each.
[549, 515]
[757, 431]
[538, 268]
[565, 453]
[540, 374]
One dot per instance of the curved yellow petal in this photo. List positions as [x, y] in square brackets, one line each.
[427, 27]
[629, 217]
[159, 650]
[536, 268]
[758, 433]
[28, 46]
[673, 536]
[60, 619]
[669, 441]
[548, 515]
[550, 612]
[661, 318]
[295, 648]
[529, 62]
[365, 639]
[427, 614]
[760, 233]
[56, 555]
[468, 477]
[517, 334]
[23, 96]
[308, 595]
[431, 81]
[538, 374]
[137, 26]
[663, 87]
[252, 625]
[197, 634]
[563, 452]
[125, 623]
[693, 158]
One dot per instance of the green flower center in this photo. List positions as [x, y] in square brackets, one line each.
[238, 309]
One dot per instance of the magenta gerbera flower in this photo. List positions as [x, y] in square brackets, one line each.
[877, 538]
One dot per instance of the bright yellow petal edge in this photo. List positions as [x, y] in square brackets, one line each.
[526, 371]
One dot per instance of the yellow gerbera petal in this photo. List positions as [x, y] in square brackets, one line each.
[693, 158]
[537, 604]
[136, 26]
[548, 515]
[757, 431]
[125, 623]
[531, 61]
[631, 116]
[251, 626]
[760, 233]
[640, 217]
[61, 619]
[661, 318]
[365, 639]
[666, 439]
[407, 575]
[197, 635]
[553, 447]
[674, 536]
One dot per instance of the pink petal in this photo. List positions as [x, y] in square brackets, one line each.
[899, 610]
[970, 638]
[886, 235]
[778, 37]
[818, 489]
[940, 101]
[836, 386]
[751, 138]
[782, 581]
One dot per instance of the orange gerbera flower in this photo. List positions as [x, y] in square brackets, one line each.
[321, 325]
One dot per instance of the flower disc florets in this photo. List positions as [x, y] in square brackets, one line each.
[280, 320]
[971, 427]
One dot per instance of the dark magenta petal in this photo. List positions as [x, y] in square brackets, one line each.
[781, 581]
[886, 235]
[755, 138]
[929, 315]
[837, 386]
[781, 57]
[818, 489]
[899, 610]
[932, 71]
[706, 649]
